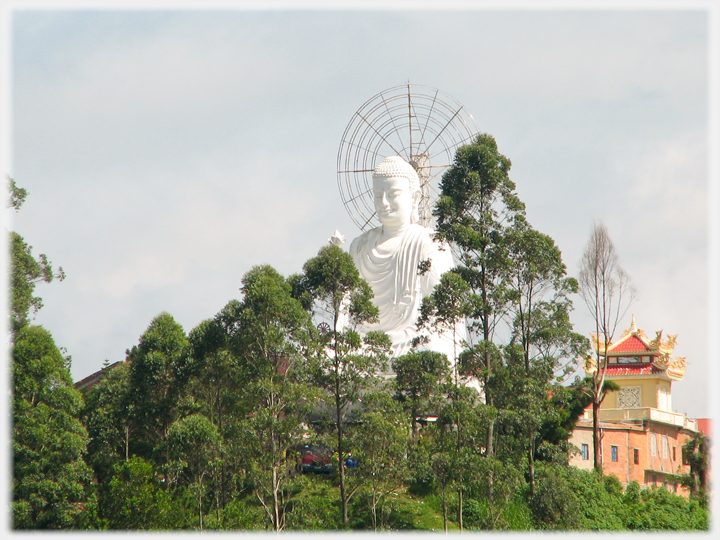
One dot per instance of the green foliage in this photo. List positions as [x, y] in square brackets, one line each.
[656, 509]
[49, 442]
[106, 417]
[273, 329]
[315, 507]
[135, 499]
[419, 377]
[446, 308]
[380, 443]
[514, 516]
[242, 514]
[25, 273]
[554, 504]
[195, 441]
[17, 195]
[696, 452]
[160, 367]
[25, 270]
[335, 287]
[342, 364]
[569, 498]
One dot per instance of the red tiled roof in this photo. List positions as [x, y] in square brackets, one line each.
[631, 344]
[638, 369]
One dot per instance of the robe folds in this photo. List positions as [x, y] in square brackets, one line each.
[391, 269]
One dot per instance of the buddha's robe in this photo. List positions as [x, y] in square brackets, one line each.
[391, 269]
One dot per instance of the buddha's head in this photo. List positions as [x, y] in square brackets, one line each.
[396, 192]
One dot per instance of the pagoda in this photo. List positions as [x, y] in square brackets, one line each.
[643, 369]
[642, 437]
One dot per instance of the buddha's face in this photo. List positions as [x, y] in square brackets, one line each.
[394, 202]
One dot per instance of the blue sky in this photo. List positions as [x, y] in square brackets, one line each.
[167, 152]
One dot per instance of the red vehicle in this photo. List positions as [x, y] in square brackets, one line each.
[315, 459]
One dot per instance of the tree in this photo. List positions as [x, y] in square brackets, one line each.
[696, 452]
[419, 379]
[272, 333]
[215, 388]
[160, 367]
[380, 443]
[344, 365]
[195, 444]
[446, 308]
[541, 329]
[17, 194]
[476, 206]
[135, 498]
[25, 271]
[107, 418]
[456, 442]
[607, 292]
[49, 442]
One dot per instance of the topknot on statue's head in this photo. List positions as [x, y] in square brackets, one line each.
[395, 166]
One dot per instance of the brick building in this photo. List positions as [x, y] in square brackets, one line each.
[642, 438]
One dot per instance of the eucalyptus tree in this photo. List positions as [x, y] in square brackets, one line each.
[107, 417]
[49, 441]
[455, 442]
[215, 390]
[160, 367]
[607, 292]
[476, 207]
[380, 444]
[214, 386]
[419, 379]
[195, 449]
[25, 270]
[445, 309]
[344, 364]
[49, 475]
[541, 330]
[135, 498]
[273, 332]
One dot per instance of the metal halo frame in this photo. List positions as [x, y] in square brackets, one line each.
[421, 124]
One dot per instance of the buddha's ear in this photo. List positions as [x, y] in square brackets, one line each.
[416, 197]
[415, 215]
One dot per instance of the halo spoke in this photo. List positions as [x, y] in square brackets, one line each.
[399, 121]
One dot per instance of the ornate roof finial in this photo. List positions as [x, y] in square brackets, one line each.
[633, 326]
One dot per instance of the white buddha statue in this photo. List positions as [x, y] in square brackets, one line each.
[388, 258]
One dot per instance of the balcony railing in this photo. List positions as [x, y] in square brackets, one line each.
[645, 413]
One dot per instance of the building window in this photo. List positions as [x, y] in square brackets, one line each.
[636, 456]
[614, 452]
[674, 455]
[585, 452]
[664, 398]
[666, 447]
[653, 445]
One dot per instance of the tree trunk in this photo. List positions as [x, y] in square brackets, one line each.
[597, 442]
[341, 469]
[531, 462]
[460, 508]
[445, 508]
[276, 503]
